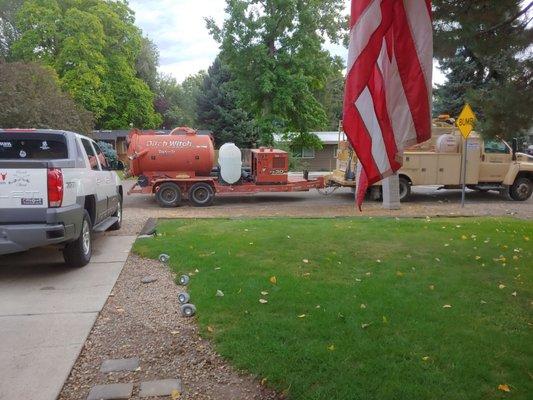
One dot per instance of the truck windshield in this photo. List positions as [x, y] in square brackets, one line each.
[32, 146]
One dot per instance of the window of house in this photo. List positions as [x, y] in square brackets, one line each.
[307, 153]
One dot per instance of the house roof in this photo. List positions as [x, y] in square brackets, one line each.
[325, 137]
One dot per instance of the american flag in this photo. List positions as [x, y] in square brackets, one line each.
[387, 103]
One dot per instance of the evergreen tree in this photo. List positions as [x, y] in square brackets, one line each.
[484, 47]
[218, 110]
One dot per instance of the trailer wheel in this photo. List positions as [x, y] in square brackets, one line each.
[168, 195]
[201, 194]
[405, 189]
[521, 189]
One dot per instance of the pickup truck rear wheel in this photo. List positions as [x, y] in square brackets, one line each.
[168, 195]
[521, 189]
[78, 253]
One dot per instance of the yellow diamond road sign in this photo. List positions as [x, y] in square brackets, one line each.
[466, 121]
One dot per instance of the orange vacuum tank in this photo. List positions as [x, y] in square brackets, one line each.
[183, 151]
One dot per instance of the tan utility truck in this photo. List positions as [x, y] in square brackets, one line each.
[491, 165]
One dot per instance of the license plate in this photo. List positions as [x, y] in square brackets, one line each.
[31, 202]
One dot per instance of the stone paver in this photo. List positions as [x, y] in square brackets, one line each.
[149, 279]
[124, 364]
[159, 388]
[109, 392]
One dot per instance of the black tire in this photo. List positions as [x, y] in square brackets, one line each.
[521, 189]
[78, 253]
[168, 195]
[117, 225]
[405, 189]
[201, 194]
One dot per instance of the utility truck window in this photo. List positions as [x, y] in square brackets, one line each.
[32, 146]
[93, 161]
[495, 147]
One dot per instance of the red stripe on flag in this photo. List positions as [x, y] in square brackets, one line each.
[358, 8]
[411, 74]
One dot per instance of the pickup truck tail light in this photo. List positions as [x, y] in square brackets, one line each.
[55, 187]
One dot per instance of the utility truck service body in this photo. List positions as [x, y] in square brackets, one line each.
[491, 165]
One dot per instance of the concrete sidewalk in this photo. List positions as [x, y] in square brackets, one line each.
[47, 311]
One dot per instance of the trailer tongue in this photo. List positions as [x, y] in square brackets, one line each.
[173, 167]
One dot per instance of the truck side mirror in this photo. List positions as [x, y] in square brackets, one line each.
[515, 148]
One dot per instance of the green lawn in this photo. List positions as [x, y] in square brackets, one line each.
[364, 308]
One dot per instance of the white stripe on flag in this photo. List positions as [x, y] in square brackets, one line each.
[365, 106]
[362, 31]
[398, 109]
[422, 33]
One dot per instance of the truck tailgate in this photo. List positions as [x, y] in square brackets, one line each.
[23, 188]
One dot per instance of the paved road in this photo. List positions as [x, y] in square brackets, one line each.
[47, 311]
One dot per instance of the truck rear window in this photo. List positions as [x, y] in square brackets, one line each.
[32, 146]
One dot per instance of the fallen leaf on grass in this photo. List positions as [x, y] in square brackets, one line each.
[363, 306]
[501, 286]
[483, 302]
[431, 287]
[504, 388]
[399, 273]
[447, 306]
[264, 381]
[364, 326]
[264, 293]
[273, 280]
[302, 316]
[437, 259]
[358, 280]
[305, 261]
[378, 261]
[478, 257]
[175, 395]
[526, 238]
[263, 301]
[426, 358]
[385, 320]
[464, 237]
[514, 294]
[331, 347]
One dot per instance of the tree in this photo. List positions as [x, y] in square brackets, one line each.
[274, 49]
[218, 110]
[331, 96]
[484, 47]
[177, 102]
[93, 45]
[147, 63]
[30, 97]
[8, 32]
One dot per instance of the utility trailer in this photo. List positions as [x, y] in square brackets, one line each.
[183, 159]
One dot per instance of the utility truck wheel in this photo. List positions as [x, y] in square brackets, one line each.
[78, 253]
[405, 189]
[117, 225]
[188, 310]
[184, 280]
[184, 298]
[521, 189]
[168, 195]
[201, 194]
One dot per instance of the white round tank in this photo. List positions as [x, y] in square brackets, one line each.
[447, 143]
[230, 163]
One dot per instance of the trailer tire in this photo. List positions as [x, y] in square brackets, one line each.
[201, 194]
[168, 195]
[521, 189]
[405, 189]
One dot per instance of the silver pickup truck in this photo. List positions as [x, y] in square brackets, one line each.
[56, 188]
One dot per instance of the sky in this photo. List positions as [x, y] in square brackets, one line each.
[178, 28]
